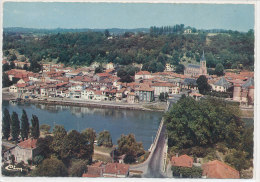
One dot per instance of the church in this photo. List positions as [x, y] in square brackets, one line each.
[196, 70]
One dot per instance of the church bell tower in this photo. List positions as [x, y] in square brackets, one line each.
[203, 67]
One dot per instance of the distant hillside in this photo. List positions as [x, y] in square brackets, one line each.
[36, 31]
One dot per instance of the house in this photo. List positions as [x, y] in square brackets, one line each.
[131, 98]
[116, 170]
[168, 67]
[24, 151]
[101, 76]
[143, 75]
[13, 88]
[244, 93]
[163, 87]
[145, 93]
[120, 94]
[73, 74]
[110, 66]
[220, 170]
[195, 95]
[95, 170]
[221, 85]
[182, 161]
[196, 70]
[187, 31]
[189, 84]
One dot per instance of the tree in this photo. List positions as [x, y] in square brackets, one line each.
[78, 167]
[24, 126]
[161, 96]
[203, 123]
[12, 65]
[76, 146]
[6, 82]
[45, 128]
[59, 134]
[44, 145]
[186, 172]
[51, 168]
[219, 70]
[35, 130]
[35, 67]
[238, 160]
[128, 145]
[38, 159]
[180, 69]
[6, 124]
[90, 133]
[203, 85]
[107, 34]
[15, 126]
[6, 67]
[104, 139]
[99, 70]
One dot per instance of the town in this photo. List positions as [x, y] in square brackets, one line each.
[54, 82]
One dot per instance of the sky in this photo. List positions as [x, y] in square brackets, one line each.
[127, 15]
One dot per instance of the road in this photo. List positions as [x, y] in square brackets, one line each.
[155, 164]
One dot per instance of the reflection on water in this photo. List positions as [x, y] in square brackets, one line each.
[143, 124]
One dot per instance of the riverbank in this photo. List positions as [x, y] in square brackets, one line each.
[153, 106]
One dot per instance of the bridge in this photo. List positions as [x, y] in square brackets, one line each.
[155, 164]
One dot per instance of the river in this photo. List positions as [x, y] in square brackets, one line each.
[143, 124]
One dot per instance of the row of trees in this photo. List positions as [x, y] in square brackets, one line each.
[11, 126]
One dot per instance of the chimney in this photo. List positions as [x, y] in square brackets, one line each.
[177, 155]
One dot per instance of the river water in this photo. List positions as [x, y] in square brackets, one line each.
[143, 124]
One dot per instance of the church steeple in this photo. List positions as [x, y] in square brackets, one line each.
[203, 57]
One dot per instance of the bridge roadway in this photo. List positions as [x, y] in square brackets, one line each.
[153, 166]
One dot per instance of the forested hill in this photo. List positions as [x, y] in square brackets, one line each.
[153, 50]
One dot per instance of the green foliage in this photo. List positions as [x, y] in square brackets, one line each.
[128, 145]
[202, 123]
[6, 67]
[35, 67]
[150, 49]
[59, 134]
[15, 126]
[78, 167]
[90, 133]
[203, 85]
[6, 124]
[104, 139]
[51, 168]
[219, 70]
[186, 172]
[76, 146]
[44, 145]
[37, 159]
[180, 69]
[163, 96]
[45, 128]
[5, 80]
[248, 142]
[35, 130]
[238, 160]
[24, 126]
[99, 70]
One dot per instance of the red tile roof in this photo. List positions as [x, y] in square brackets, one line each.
[95, 170]
[28, 144]
[182, 161]
[116, 168]
[217, 169]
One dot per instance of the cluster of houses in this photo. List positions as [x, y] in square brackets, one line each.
[55, 80]
[212, 169]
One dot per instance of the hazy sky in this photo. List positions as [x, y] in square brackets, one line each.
[127, 15]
